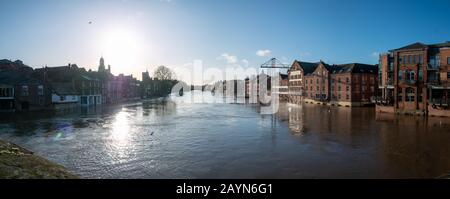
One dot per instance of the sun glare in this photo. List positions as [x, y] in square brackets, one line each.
[121, 48]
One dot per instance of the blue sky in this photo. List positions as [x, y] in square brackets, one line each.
[220, 32]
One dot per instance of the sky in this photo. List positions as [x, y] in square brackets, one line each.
[137, 35]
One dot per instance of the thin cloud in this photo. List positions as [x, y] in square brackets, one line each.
[305, 54]
[231, 59]
[245, 62]
[263, 53]
[375, 54]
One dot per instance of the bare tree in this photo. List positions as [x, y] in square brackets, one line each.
[163, 73]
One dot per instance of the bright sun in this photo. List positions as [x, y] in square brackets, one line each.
[120, 48]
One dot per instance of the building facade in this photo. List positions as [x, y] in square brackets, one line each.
[20, 90]
[344, 85]
[420, 79]
[296, 79]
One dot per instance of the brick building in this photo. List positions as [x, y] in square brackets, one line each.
[20, 90]
[415, 79]
[296, 79]
[347, 84]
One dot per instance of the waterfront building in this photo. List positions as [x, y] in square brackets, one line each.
[296, 75]
[351, 84]
[415, 79]
[283, 87]
[70, 81]
[19, 90]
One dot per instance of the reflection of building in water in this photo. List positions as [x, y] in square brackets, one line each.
[411, 147]
[296, 123]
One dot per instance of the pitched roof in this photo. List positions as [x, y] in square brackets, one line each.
[284, 76]
[356, 68]
[441, 45]
[419, 45]
[16, 78]
[413, 46]
[63, 88]
[308, 67]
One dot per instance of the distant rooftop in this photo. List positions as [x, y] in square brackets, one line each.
[419, 45]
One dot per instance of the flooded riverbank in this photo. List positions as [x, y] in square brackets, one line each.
[173, 138]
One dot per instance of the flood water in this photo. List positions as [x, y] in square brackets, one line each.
[174, 138]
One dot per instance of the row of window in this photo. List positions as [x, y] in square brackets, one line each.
[410, 75]
[411, 59]
[6, 92]
[347, 80]
[25, 91]
[323, 96]
[410, 95]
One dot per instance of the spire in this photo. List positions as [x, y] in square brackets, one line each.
[101, 67]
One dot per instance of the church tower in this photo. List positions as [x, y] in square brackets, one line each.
[101, 67]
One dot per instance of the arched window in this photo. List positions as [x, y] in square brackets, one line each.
[410, 75]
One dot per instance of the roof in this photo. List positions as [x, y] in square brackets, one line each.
[418, 45]
[15, 78]
[308, 67]
[63, 88]
[284, 76]
[441, 45]
[356, 68]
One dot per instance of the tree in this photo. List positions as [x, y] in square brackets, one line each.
[163, 73]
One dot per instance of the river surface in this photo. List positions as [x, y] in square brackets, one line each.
[206, 138]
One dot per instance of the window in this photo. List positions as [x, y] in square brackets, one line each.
[400, 95]
[410, 59]
[62, 98]
[347, 96]
[420, 75]
[410, 75]
[40, 90]
[448, 75]
[416, 59]
[339, 88]
[25, 91]
[420, 59]
[348, 80]
[400, 75]
[405, 59]
[6, 92]
[434, 61]
[347, 88]
[83, 100]
[410, 94]
[448, 60]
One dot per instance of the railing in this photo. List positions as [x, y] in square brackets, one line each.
[439, 102]
[388, 101]
[408, 81]
[433, 67]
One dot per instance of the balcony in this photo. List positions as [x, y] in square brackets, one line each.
[432, 67]
[408, 81]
